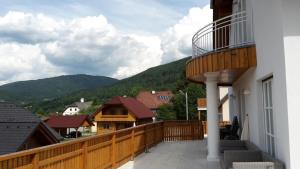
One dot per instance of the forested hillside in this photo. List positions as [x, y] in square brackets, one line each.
[163, 77]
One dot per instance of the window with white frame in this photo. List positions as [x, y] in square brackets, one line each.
[269, 117]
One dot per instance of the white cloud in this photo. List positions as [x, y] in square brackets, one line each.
[37, 46]
[177, 40]
[24, 62]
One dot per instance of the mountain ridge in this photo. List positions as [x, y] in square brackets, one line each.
[50, 88]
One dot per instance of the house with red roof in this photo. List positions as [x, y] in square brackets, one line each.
[120, 113]
[154, 99]
[65, 124]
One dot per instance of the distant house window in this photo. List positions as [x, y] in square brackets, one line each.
[70, 109]
[106, 126]
[75, 109]
[163, 97]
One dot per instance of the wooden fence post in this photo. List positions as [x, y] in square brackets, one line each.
[155, 134]
[132, 144]
[193, 131]
[146, 139]
[113, 158]
[35, 161]
[84, 155]
[163, 131]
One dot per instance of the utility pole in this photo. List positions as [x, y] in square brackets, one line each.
[186, 104]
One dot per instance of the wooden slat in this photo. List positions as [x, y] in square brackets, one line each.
[182, 130]
[103, 151]
[231, 63]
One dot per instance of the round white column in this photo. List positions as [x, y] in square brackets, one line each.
[212, 116]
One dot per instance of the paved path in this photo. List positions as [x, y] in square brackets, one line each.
[174, 155]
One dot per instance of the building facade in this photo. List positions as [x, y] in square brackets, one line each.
[252, 46]
[75, 108]
[120, 113]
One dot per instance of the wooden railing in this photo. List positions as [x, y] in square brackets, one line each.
[109, 150]
[222, 124]
[182, 130]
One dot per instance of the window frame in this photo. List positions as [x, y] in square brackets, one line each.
[268, 113]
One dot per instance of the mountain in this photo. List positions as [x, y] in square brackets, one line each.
[163, 77]
[50, 88]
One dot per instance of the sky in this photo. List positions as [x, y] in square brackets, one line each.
[116, 38]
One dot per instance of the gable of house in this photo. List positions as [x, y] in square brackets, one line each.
[136, 109]
[19, 128]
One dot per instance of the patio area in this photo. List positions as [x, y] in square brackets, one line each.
[174, 155]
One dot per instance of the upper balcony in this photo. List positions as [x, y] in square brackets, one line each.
[225, 46]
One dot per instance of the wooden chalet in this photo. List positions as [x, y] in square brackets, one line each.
[120, 113]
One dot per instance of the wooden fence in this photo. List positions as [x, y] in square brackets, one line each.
[109, 150]
[182, 130]
[222, 124]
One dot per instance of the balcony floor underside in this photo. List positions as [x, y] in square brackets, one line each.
[231, 63]
[174, 155]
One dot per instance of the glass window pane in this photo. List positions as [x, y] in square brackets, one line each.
[266, 94]
[269, 117]
[268, 144]
[267, 121]
[273, 146]
[271, 121]
[270, 94]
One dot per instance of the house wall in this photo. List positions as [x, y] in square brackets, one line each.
[291, 40]
[113, 126]
[115, 121]
[94, 127]
[277, 38]
[37, 139]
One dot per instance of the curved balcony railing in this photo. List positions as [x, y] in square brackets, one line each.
[231, 31]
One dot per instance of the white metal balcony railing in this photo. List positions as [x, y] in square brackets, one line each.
[231, 31]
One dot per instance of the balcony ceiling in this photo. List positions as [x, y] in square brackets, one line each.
[230, 63]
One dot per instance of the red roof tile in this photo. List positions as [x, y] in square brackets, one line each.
[67, 121]
[139, 110]
[153, 101]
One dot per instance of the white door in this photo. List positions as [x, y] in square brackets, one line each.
[269, 117]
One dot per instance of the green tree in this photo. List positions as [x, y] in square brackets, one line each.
[194, 92]
[134, 91]
[166, 112]
[89, 110]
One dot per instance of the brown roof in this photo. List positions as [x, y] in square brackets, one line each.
[68, 121]
[153, 101]
[139, 110]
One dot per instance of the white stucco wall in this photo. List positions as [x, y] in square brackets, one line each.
[291, 39]
[248, 82]
[277, 38]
